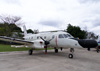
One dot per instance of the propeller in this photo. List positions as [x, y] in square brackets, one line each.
[46, 44]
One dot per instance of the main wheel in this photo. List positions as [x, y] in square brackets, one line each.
[30, 52]
[70, 55]
[61, 48]
[56, 50]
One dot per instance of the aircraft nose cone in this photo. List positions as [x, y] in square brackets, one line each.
[88, 43]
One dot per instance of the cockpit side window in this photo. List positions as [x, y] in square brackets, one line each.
[38, 37]
[69, 35]
[65, 35]
[61, 36]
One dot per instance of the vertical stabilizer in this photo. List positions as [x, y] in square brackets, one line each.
[25, 31]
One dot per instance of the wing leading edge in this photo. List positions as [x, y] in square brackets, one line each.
[9, 39]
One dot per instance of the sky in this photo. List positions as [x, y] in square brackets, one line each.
[49, 15]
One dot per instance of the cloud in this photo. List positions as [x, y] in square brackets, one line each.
[90, 1]
[52, 23]
[54, 14]
[11, 1]
[96, 22]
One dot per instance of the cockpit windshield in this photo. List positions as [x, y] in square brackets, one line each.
[65, 36]
[61, 36]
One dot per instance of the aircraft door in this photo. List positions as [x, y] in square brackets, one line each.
[60, 40]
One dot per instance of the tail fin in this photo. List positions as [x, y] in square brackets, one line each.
[25, 31]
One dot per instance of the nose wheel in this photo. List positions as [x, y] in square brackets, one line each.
[71, 53]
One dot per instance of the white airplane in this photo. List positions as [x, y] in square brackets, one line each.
[59, 39]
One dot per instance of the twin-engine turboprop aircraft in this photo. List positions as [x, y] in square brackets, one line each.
[59, 39]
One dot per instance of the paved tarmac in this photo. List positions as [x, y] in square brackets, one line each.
[20, 61]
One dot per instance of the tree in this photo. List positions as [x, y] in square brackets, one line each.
[76, 31]
[9, 30]
[10, 19]
[14, 28]
[30, 31]
[8, 26]
[91, 35]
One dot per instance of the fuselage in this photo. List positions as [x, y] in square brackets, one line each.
[58, 39]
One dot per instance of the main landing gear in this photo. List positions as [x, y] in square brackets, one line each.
[71, 53]
[30, 51]
[61, 48]
[56, 50]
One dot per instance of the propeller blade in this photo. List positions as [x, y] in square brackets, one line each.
[42, 38]
[51, 39]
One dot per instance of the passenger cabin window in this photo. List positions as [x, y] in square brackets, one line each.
[61, 36]
[38, 37]
[53, 36]
[44, 37]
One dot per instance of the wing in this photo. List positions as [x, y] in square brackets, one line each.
[9, 39]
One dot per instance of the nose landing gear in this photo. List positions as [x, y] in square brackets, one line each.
[71, 53]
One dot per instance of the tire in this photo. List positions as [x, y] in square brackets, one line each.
[30, 52]
[56, 50]
[70, 56]
[88, 49]
[61, 48]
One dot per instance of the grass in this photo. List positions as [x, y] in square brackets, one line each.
[7, 48]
